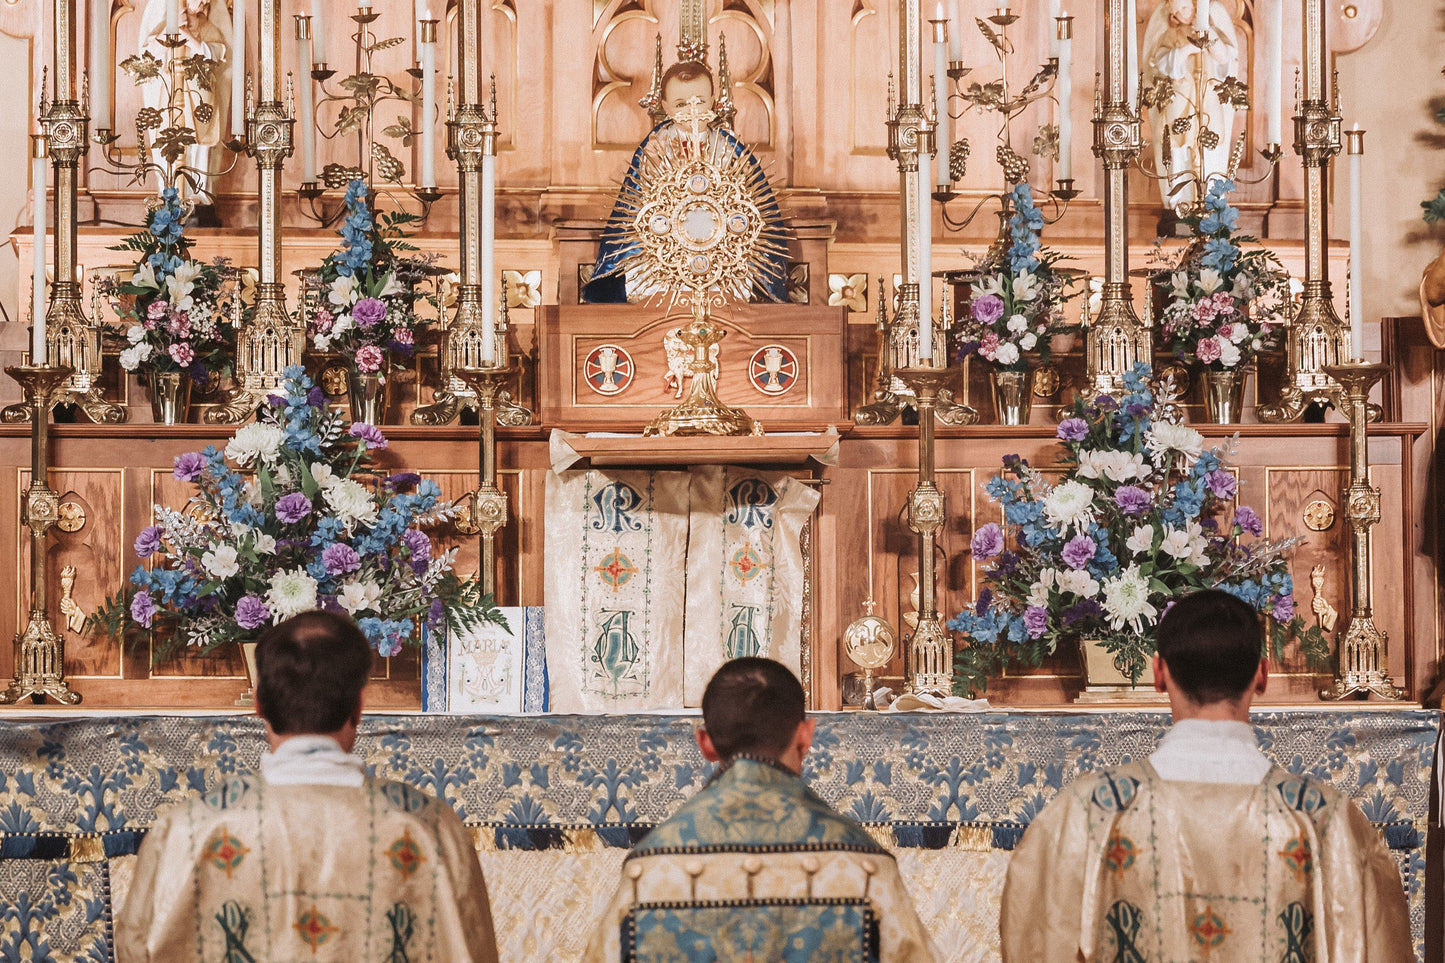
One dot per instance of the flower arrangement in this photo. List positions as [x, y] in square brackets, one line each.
[1226, 305]
[302, 521]
[1015, 304]
[1138, 518]
[175, 310]
[368, 295]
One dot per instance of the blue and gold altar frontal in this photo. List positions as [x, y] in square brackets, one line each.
[77, 796]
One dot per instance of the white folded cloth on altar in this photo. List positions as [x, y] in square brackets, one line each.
[312, 761]
[909, 702]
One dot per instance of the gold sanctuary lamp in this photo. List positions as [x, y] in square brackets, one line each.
[1361, 662]
[39, 649]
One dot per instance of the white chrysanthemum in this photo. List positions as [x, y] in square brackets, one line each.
[1164, 437]
[1141, 540]
[1026, 286]
[291, 593]
[1007, 353]
[1209, 281]
[356, 596]
[351, 502]
[145, 276]
[132, 357]
[1079, 582]
[343, 291]
[1116, 466]
[1126, 600]
[221, 562]
[255, 441]
[1070, 505]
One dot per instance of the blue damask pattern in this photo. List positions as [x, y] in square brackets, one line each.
[75, 793]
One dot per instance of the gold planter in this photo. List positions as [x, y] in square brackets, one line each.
[366, 394]
[1105, 680]
[1013, 396]
[248, 656]
[1223, 395]
[170, 397]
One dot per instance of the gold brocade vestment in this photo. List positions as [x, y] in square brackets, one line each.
[1125, 866]
[252, 872]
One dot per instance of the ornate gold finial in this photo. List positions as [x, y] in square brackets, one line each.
[692, 32]
[652, 100]
[725, 109]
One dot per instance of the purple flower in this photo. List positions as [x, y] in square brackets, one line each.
[251, 612]
[368, 312]
[293, 507]
[276, 401]
[189, 466]
[1222, 483]
[1082, 609]
[370, 434]
[1036, 620]
[1079, 550]
[403, 479]
[148, 542]
[434, 614]
[340, 559]
[987, 309]
[420, 546]
[1007, 563]
[985, 599]
[987, 541]
[143, 608]
[1246, 519]
[1072, 429]
[316, 398]
[1283, 608]
[1132, 500]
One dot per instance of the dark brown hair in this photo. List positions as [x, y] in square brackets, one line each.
[1212, 643]
[310, 671]
[752, 706]
[685, 70]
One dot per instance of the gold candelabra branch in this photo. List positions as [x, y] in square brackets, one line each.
[39, 649]
[1361, 663]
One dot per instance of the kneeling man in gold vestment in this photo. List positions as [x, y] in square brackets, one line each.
[1204, 851]
[756, 866]
[312, 859]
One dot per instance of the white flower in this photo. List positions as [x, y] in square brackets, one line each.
[180, 285]
[253, 441]
[1238, 332]
[1228, 351]
[1141, 540]
[1071, 504]
[341, 325]
[1007, 353]
[1080, 582]
[221, 562]
[343, 291]
[1039, 591]
[131, 358]
[322, 342]
[1126, 600]
[1115, 465]
[135, 334]
[264, 544]
[1017, 323]
[1209, 281]
[322, 474]
[355, 596]
[1028, 341]
[1179, 286]
[291, 593]
[1026, 286]
[351, 502]
[993, 284]
[392, 287]
[1175, 543]
[145, 276]
[1166, 436]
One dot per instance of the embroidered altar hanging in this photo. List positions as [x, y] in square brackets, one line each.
[616, 554]
[744, 570]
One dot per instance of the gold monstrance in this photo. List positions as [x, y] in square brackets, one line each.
[694, 213]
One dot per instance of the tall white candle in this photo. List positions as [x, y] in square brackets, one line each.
[1131, 53]
[1274, 71]
[238, 68]
[925, 266]
[1053, 34]
[39, 166]
[102, 73]
[173, 16]
[1201, 16]
[418, 15]
[944, 131]
[1356, 150]
[489, 258]
[318, 32]
[1065, 92]
[306, 111]
[428, 112]
[955, 32]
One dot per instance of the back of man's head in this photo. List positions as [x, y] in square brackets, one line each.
[1212, 643]
[310, 670]
[752, 707]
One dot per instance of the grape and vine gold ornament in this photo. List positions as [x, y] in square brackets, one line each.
[703, 233]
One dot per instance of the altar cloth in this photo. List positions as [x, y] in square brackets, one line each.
[554, 801]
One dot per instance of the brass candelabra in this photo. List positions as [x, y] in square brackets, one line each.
[39, 649]
[1360, 662]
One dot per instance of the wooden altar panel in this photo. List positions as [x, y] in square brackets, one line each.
[568, 333]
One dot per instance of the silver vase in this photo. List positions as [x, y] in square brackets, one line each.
[170, 397]
[1223, 395]
[366, 394]
[1013, 396]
